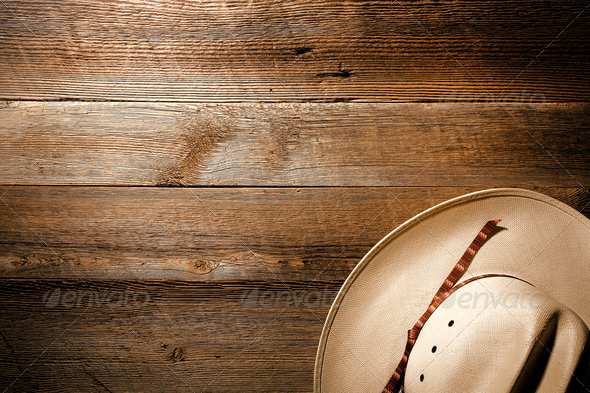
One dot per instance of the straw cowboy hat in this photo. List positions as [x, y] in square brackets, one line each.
[487, 292]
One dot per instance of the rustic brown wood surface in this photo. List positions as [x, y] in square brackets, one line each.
[245, 233]
[295, 144]
[185, 334]
[296, 123]
[328, 50]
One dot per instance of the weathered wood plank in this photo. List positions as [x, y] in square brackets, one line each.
[196, 330]
[228, 51]
[238, 234]
[294, 144]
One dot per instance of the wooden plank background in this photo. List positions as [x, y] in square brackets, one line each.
[230, 162]
[245, 50]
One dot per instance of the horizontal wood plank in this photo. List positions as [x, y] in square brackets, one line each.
[184, 336]
[287, 119]
[141, 233]
[295, 144]
[238, 50]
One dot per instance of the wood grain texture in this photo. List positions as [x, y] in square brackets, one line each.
[229, 51]
[176, 336]
[260, 234]
[287, 119]
[295, 144]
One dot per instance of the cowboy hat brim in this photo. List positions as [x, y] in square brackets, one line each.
[539, 240]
